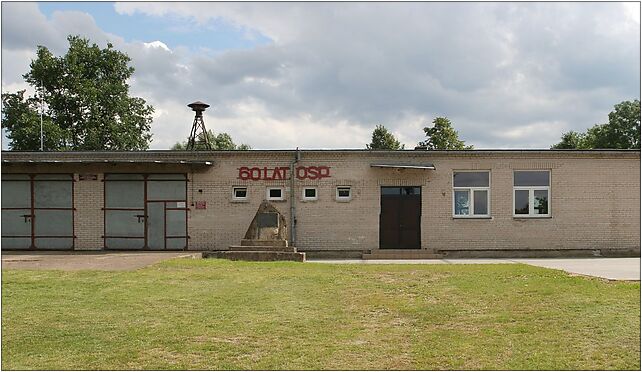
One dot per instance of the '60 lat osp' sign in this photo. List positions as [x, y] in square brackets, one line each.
[313, 172]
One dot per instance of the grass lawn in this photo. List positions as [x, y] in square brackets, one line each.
[212, 314]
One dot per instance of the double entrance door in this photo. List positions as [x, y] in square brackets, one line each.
[146, 211]
[37, 211]
[400, 218]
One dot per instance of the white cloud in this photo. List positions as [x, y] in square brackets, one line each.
[507, 75]
[157, 44]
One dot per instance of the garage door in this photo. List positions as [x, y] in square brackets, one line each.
[37, 211]
[146, 211]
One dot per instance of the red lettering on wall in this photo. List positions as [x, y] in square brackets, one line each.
[312, 172]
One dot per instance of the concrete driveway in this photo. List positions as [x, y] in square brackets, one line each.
[86, 260]
[607, 268]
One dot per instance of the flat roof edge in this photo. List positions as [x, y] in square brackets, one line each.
[205, 153]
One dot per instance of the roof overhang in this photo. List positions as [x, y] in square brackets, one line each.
[109, 161]
[404, 166]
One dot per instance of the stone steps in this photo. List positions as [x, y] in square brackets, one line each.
[274, 248]
[263, 243]
[408, 254]
[256, 255]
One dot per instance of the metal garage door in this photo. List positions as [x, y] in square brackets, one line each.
[37, 211]
[146, 211]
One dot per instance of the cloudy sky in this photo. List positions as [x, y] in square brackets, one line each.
[322, 75]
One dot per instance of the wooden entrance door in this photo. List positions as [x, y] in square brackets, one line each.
[400, 218]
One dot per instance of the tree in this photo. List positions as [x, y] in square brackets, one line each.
[571, 140]
[222, 141]
[442, 136]
[382, 139]
[86, 102]
[621, 132]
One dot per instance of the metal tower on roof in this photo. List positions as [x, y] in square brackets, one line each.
[198, 128]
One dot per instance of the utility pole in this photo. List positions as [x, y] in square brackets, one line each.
[42, 107]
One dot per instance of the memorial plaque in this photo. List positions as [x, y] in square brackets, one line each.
[268, 220]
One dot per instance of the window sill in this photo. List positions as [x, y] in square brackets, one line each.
[473, 218]
[239, 201]
[347, 200]
[309, 200]
[276, 200]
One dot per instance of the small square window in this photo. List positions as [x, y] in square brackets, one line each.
[310, 193]
[344, 193]
[275, 193]
[239, 193]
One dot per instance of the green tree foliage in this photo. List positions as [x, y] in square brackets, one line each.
[621, 132]
[382, 139]
[442, 136]
[222, 141]
[86, 102]
[571, 140]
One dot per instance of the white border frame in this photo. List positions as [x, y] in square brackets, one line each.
[471, 194]
[531, 195]
[343, 198]
[235, 198]
[267, 193]
[306, 198]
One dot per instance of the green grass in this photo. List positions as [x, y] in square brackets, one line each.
[212, 314]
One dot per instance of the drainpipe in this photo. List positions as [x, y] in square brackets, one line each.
[297, 157]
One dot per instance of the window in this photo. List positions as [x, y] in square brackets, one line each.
[275, 193]
[532, 193]
[310, 193]
[471, 194]
[344, 193]
[239, 193]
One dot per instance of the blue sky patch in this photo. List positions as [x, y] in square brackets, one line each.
[172, 30]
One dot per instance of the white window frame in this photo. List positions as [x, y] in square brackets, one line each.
[307, 198]
[471, 194]
[236, 198]
[343, 198]
[268, 197]
[531, 195]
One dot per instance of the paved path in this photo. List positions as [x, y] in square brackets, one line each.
[608, 268]
[86, 260]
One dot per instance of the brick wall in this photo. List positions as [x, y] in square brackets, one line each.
[89, 216]
[595, 202]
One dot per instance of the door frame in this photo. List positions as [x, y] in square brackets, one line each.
[399, 196]
[32, 211]
[145, 211]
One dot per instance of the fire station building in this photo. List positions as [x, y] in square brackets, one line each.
[337, 203]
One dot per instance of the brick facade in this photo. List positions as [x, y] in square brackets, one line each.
[595, 197]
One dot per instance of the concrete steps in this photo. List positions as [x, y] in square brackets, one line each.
[263, 243]
[258, 250]
[256, 255]
[266, 248]
[408, 254]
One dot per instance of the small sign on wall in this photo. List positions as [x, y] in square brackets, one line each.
[201, 204]
[87, 177]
